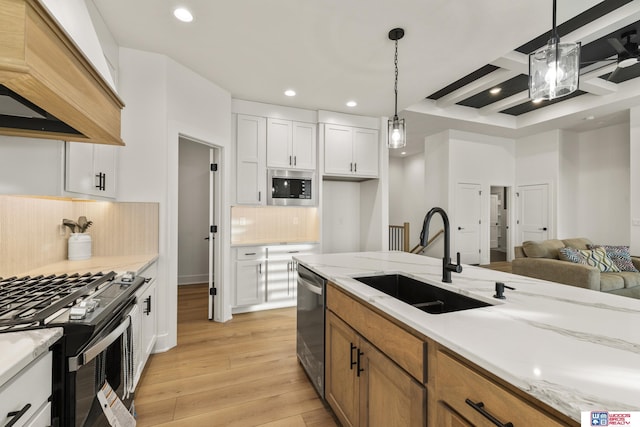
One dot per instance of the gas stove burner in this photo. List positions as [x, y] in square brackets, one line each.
[31, 300]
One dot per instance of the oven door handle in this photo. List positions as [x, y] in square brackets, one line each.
[92, 352]
[310, 286]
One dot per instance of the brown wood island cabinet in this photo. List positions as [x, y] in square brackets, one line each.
[380, 372]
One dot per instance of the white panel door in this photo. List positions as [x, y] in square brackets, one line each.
[533, 222]
[304, 146]
[466, 227]
[494, 223]
[338, 150]
[365, 152]
[279, 136]
[251, 179]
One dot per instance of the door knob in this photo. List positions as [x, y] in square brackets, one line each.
[460, 228]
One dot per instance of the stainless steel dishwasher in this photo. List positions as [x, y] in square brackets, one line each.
[310, 325]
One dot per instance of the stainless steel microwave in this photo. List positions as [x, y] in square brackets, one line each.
[291, 188]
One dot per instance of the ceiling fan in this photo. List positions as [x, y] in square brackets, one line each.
[628, 53]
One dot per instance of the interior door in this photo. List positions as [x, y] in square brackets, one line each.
[533, 212]
[468, 213]
[493, 219]
[213, 160]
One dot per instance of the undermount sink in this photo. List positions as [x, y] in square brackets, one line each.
[426, 297]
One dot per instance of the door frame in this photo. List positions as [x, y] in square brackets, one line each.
[509, 199]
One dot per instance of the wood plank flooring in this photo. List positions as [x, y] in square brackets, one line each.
[240, 373]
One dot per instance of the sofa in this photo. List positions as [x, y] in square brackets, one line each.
[568, 262]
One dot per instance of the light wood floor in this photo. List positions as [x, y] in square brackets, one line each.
[241, 373]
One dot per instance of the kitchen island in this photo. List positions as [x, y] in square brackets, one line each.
[570, 349]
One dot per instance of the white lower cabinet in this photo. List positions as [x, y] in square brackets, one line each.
[146, 329]
[25, 397]
[266, 276]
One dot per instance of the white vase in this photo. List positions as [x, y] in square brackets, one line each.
[79, 246]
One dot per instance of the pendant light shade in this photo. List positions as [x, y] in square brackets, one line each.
[554, 70]
[397, 132]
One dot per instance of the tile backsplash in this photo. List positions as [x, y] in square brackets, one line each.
[31, 232]
[274, 224]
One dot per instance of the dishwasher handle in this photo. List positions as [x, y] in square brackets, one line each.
[310, 286]
[92, 352]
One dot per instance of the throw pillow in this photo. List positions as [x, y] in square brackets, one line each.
[620, 256]
[598, 258]
[571, 255]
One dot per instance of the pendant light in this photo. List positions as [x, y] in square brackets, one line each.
[397, 133]
[554, 70]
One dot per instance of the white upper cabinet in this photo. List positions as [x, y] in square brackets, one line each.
[91, 169]
[251, 178]
[291, 145]
[350, 151]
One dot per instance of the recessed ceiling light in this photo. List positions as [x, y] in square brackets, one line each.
[290, 92]
[495, 90]
[351, 103]
[403, 153]
[589, 118]
[183, 14]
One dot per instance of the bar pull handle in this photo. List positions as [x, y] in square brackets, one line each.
[147, 309]
[290, 161]
[355, 167]
[295, 160]
[351, 361]
[17, 415]
[360, 353]
[479, 406]
[259, 196]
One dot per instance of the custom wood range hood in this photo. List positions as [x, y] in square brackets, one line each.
[46, 76]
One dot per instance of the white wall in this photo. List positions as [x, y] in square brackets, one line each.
[634, 179]
[31, 166]
[341, 216]
[603, 185]
[407, 194]
[163, 101]
[568, 186]
[193, 212]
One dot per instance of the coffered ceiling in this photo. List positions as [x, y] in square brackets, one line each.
[334, 51]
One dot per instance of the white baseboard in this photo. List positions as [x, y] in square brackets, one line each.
[193, 279]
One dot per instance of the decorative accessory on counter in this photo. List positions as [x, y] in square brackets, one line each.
[554, 70]
[397, 132]
[79, 245]
[619, 255]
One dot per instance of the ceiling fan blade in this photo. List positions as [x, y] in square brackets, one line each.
[617, 45]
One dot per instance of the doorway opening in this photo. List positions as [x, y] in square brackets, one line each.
[198, 212]
[499, 239]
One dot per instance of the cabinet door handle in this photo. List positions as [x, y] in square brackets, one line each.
[295, 160]
[250, 253]
[355, 167]
[480, 408]
[360, 353]
[259, 196]
[289, 160]
[99, 176]
[147, 309]
[104, 182]
[17, 415]
[351, 361]
[351, 167]
[260, 268]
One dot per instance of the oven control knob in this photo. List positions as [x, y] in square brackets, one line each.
[77, 313]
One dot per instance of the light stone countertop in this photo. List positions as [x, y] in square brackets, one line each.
[21, 348]
[119, 264]
[573, 349]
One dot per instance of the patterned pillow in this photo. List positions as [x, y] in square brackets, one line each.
[571, 255]
[598, 258]
[619, 255]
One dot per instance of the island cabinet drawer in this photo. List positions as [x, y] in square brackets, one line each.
[27, 391]
[405, 349]
[480, 401]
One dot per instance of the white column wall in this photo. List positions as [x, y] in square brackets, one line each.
[163, 101]
[634, 179]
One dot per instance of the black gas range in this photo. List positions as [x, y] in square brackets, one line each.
[97, 313]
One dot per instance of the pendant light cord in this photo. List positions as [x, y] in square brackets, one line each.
[396, 81]
[554, 30]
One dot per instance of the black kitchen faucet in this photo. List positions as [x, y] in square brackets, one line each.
[447, 267]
